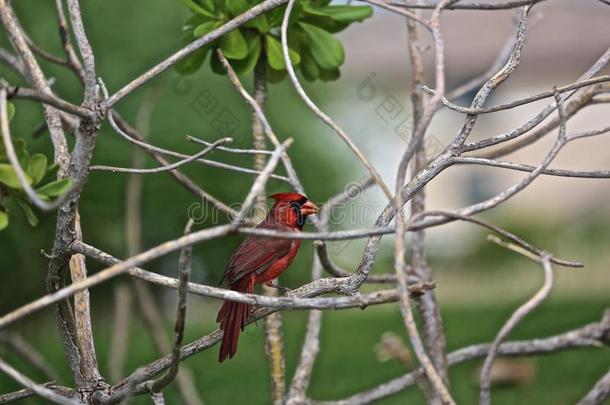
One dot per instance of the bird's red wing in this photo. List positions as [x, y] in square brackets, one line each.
[256, 254]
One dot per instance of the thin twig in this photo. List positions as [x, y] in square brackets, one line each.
[14, 161]
[38, 389]
[184, 273]
[35, 75]
[29, 353]
[532, 123]
[430, 4]
[591, 335]
[230, 150]
[516, 103]
[154, 149]
[323, 116]
[45, 98]
[168, 167]
[512, 322]
[176, 174]
[599, 393]
[192, 47]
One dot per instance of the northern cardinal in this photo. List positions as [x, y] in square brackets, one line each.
[261, 260]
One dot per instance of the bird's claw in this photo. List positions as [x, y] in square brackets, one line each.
[283, 290]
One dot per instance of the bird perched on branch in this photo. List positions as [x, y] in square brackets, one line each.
[259, 260]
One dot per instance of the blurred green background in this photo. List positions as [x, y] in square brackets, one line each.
[479, 285]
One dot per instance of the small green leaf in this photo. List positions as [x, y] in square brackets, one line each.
[9, 177]
[216, 64]
[275, 76]
[259, 23]
[343, 13]
[237, 7]
[275, 57]
[328, 75]
[246, 66]
[20, 151]
[193, 62]
[196, 8]
[277, 14]
[309, 67]
[51, 173]
[205, 28]
[234, 45]
[55, 188]
[193, 22]
[3, 220]
[37, 167]
[10, 108]
[27, 210]
[325, 48]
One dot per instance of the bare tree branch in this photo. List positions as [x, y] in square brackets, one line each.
[29, 353]
[184, 273]
[45, 98]
[36, 77]
[464, 5]
[24, 181]
[325, 118]
[37, 389]
[591, 335]
[599, 393]
[523, 101]
[192, 47]
[166, 168]
[512, 322]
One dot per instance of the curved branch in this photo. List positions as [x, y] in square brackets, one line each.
[325, 118]
[512, 322]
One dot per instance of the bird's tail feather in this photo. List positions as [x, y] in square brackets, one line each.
[232, 317]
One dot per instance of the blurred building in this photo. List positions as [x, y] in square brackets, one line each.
[565, 37]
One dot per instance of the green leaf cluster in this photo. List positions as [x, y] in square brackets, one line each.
[313, 48]
[40, 175]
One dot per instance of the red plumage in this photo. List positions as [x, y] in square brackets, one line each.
[260, 260]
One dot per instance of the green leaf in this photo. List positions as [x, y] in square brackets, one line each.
[259, 23]
[27, 210]
[246, 65]
[194, 21]
[3, 220]
[51, 173]
[277, 14]
[193, 62]
[343, 13]
[309, 67]
[237, 7]
[275, 76]
[196, 8]
[9, 177]
[234, 45]
[37, 167]
[216, 64]
[10, 108]
[328, 75]
[205, 28]
[275, 57]
[325, 48]
[18, 145]
[55, 188]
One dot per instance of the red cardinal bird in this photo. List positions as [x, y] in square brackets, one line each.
[261, 260]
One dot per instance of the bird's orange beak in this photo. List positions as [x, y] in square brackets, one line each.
[309, 208]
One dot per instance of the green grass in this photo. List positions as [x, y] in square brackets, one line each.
[348, 363]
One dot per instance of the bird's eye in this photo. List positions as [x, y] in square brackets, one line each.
[295, 206]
